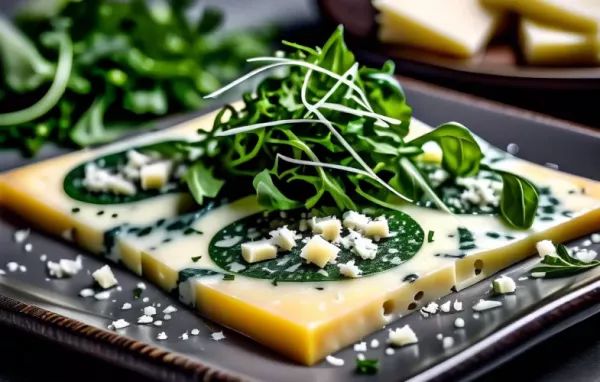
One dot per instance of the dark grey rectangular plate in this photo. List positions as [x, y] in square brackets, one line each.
[539, 308]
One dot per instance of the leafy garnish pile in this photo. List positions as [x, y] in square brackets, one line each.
[561, 264]
[85, 72]
[326, 132]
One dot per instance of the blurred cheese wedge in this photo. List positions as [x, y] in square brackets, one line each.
[455, 27]
[544, 45]
[574, 15]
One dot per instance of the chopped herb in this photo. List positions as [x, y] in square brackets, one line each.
[367, 366]
[562, 264]
[320, 288]
[430, 236]
[144, 232]
[167, 240]
[114, 216]
[75, 210]
[137, 293]
[493, 235]
[100, 213]
[196, 258]
[228, 277]
[189, 231]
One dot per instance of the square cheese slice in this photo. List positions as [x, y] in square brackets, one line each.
[306, 320]
[574, 15]
[545, 45]
[458, 28]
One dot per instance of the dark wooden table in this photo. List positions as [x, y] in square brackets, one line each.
[572, 355]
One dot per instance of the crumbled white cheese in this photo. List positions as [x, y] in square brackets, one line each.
[184, 336]
[195, 332]
[459, 323]
[101, 180]
[156, 175]
[329, 228]
[150, 311]
[402, 336]
[355, 221]
[141, 286]
[302, 225]
[377, 228]
[365, 248]
[87, 292]
[120, 324]
[28, 247]
[162, 336]
[374, 343]
[22, 268]
[255, 251]
[504, 285]
[136, 159]
[445, 307]
[319, 251]
[334, 361]
[217, 336]
[447, 342]
[458, 305]
[105, 277]
[22, 235]
[438, 177]
[360, 357]
[361, 346]
[523, 278]
[283, 238]
[145, 319]
[538, 275]
[167, 317]
[348, 241]
[439, 336]
[349, 269]
[43, 257]
[12, 266]
[586, 243]
[64, 267]
[145, 299]
[545, 248]
[389, 351]
[169, 309]
[102, 295]
[595, 238]
[585, 255]
[158, 323]
[481, 192]
[126, 306]
[431, 308]
[482, 305]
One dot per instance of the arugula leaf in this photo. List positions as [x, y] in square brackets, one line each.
[367, 366]
[202, 182]
[519, 200]
[560, 265]
[268, 194]
[461, 152]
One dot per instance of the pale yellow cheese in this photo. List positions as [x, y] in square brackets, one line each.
[454, 27]
[574, 15]
[544, 45]
[310, 323]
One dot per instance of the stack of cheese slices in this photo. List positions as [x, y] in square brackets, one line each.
[552, 32]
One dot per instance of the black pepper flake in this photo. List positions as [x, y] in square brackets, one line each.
[145, 232]
[509, 237]
[167, 240]
[320, 288]
[100, 213]
[114, 216]
[546, 218]
[75, 210]
[554, 201]
[567, 213]
[548, 209]
[160, 222]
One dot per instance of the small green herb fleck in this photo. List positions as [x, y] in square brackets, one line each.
[228, 277]
[189, 231]
[560, 265]
[145, 232]
[196, 258]
[430, 236]
[114, 216]
[320, 288]
[367, 366]
[137, 293]
[75, 210]
[493, 235]
[100, 213]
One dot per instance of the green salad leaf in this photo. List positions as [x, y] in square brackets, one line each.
[561, 264]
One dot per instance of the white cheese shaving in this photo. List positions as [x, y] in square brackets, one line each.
[283, 238]
[402, 336]
[145, 319]
[12, 266]
[480, 192]
[120, 324]
[482, 305]
[595, 238]
[447, 342]
[458, 305]
[105, 277]
[64, 267]
[150, 311]
[126, 306]
[161, 336]
[445, 307]
[87, 292]
[217, 336]
[319, 252]
[22, 235]
[334, 361]
[156, 175]
[184, 336]
[349, 269]
[169, 309]
[545, 248]
[158, 323]
[365, 248]
[22, 268]
[377, 228]
[459, 323]
[355, 221]
[504, 284]
[361, 346]
[255, 251]
[374, 343]
[141, 285]
[28, 247]
[100, 296]
[329, 228]
[585, 255]
[431, 308]
[195, 332]
[390, 351]
[360, 357]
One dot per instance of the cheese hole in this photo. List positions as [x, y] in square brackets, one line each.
[388, 307]
[412, 306]
[478, 266]
[419, 295]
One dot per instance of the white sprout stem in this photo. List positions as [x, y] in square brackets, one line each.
[301, 162]
[360, 113]
[319, 69]
[233, 84]
[349, 72]
[245, 129]
[416, 175]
